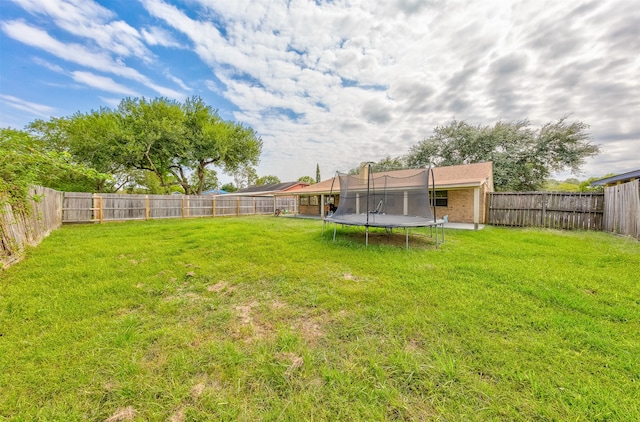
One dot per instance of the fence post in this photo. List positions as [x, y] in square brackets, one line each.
[213, 206]
[544, 210]
[97, 205]
[237, 205]
[146, 207]
[255, 209]
[182, 203]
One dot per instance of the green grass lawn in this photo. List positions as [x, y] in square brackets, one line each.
[265, 319]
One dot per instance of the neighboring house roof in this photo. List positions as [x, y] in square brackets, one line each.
[447, 177]
[272, 188]
[214, 192]
[620, 178]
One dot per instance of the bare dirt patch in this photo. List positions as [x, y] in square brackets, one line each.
[197, 390]
[244, 312]
[218, 287]
[310, 330]
[251, 327]
[276, 304]
[126, 414]
[295, 362]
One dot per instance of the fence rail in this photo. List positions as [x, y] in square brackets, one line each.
[557, 210]
[87, 207]
[21, 228]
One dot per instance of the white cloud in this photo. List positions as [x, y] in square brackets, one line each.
[36, 109]
[177, 81]
[352, 80]
[103, 83]
[79, 54]
[51, 66]
[111, 102]
[154, 35]
[88, 19]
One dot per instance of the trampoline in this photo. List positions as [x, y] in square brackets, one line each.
[386, 201]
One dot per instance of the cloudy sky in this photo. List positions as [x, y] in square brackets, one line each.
[335, 82]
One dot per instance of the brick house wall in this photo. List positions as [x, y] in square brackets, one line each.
[309, 209]
[460, 205]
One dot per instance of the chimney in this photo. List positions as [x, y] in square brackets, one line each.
[363, 171]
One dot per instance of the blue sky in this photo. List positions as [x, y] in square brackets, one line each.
[335, 82]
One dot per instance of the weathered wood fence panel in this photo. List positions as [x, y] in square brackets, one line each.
[558, 210]
[622, 209]
[86, 208]
[78, 207]
[19, 229]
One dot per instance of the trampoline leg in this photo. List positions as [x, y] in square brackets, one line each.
[366, 242]
[406, 230]
[335, 227]
[323, 223]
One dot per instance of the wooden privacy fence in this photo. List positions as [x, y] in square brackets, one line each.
[19, 229]
[87, 207]
[622, 209]
[557, 210]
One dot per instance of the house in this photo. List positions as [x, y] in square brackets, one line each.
[280, 193]
[460, 192]
[618, 179]
[214, 192]
[271, 189]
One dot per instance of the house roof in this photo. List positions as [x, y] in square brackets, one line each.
[271, 188]
[214, 192]
[624, 177]
[460, 176]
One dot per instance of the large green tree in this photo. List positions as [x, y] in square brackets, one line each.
[307, 179]
[267, 180]
[165, 137]
[523, 157]
[26, 161]
[151, 136]
[90, 139]
[384, 164]
[177, 142]
[244, 176]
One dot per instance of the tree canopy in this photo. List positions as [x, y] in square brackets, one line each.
[177, 142]
[27, 161]
[307, 179]
[267, 180]
[523, 157]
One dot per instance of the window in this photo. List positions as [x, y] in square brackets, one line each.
[304, 200]
[313, 200]
[442, 198]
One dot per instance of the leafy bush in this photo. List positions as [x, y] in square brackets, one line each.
[27, 162]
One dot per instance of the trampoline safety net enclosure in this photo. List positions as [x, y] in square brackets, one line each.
[372, 200]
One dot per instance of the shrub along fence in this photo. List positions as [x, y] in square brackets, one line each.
[87, 207]
[622, 208]
[557, 210]
[19, 228]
